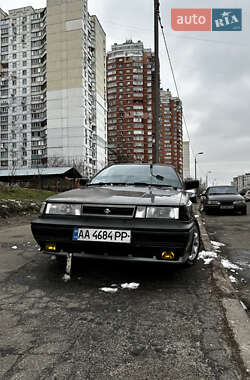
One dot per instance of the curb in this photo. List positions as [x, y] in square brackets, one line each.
[236, 316]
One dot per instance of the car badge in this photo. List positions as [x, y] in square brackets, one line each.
[107, 211]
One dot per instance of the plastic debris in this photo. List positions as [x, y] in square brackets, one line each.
[243, 305]
[131, 285]
[108, 290]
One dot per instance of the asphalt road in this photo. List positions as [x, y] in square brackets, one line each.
[234, 231]
[171, 327]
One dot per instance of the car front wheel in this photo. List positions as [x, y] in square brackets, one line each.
[195, 246]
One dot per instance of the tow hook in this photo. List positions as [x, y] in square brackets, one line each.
[66, 276]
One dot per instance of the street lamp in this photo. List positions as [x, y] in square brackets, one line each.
[195, 161]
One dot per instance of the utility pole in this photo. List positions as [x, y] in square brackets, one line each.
[156, 99]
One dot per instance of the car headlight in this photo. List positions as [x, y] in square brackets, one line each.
[186, 212]
[63, 209]
[242, 201]
[157, 212]
[213, 202]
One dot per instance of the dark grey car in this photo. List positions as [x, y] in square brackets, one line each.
[126, 212]
[223, 198]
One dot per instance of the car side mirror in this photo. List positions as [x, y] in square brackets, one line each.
[193, 184]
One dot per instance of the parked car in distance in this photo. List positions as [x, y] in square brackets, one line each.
[247, 196]
[223, 198]
[126, 212]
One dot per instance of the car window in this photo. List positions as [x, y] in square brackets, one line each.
[222, 190]
[134, 174]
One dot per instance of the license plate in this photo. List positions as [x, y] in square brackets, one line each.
[226, 207]
[110, 236]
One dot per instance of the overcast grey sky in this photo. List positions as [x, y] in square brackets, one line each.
[212, 71]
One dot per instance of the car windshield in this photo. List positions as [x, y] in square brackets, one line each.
[163, 175]
[222, 190]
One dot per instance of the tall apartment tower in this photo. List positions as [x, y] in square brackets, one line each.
[129, 95]
[171, 146]
[23, 140]
[130, 109]
[53, 85]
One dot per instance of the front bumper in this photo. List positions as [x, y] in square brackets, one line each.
[225, 208]
[148, 239]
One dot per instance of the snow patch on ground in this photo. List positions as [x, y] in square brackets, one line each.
[217, 245]
[14, 247]
[228, 265]
[207, 256]
[66, 277]
[233, 279]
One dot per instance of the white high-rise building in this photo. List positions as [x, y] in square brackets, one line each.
[52, 94]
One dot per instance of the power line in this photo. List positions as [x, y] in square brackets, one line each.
[175, 83]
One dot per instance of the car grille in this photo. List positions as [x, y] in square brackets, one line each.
[226, 203]
[109, 211]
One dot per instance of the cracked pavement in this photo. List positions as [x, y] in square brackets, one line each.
[171, 327]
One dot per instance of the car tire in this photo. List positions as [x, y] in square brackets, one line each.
[193, 256]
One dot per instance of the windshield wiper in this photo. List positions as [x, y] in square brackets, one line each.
[150, 184]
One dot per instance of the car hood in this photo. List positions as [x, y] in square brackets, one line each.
[225, 197]
[129, 195]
